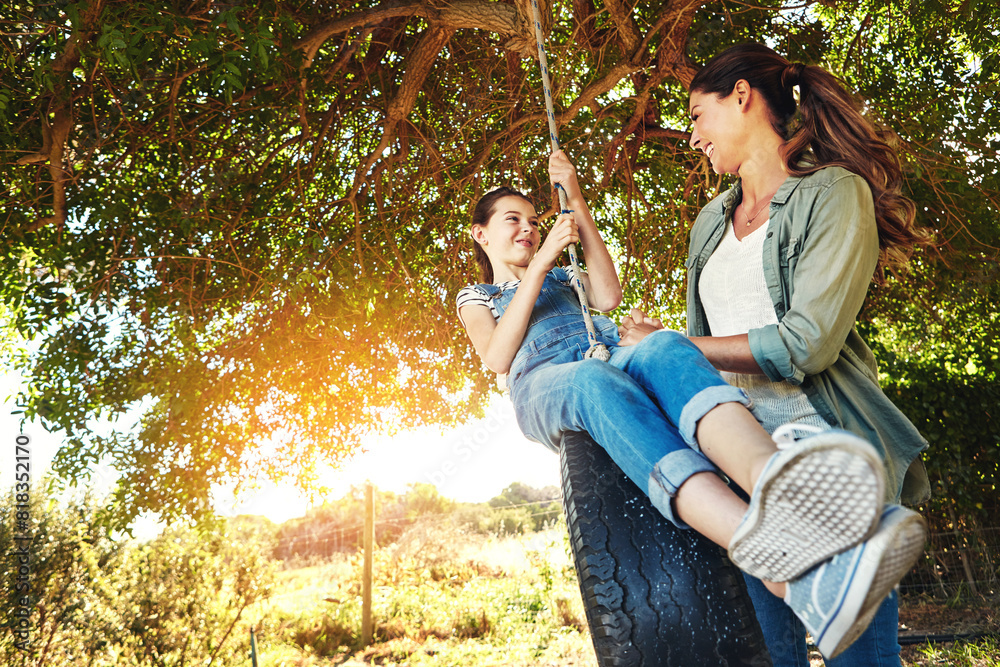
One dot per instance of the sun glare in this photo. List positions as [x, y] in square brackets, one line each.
[470, 463]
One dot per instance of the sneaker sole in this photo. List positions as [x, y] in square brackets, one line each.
[821, 501]
[907, 544]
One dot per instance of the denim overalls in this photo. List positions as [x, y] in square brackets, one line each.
[642, 406]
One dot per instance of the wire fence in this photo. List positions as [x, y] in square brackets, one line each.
[326, 540]
[954, 562]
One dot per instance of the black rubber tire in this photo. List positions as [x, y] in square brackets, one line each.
[655, 595]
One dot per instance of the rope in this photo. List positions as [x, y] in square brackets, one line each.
[597, 349]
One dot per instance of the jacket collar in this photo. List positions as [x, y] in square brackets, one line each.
[732, 198]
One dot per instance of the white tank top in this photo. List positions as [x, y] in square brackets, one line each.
[734, 293]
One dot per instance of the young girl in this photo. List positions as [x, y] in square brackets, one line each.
[669, 420]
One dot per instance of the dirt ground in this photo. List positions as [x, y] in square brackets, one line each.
[922, 617]
[937, 617]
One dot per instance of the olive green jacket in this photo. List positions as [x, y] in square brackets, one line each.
[819, 256]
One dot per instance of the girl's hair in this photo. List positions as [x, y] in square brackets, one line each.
[481, 214]
[824, 129]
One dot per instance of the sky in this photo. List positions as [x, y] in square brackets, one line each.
[471, 463]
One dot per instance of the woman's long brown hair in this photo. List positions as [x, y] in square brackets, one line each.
[825, 128]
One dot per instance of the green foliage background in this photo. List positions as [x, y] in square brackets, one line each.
[247, 222]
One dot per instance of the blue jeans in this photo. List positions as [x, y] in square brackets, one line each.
[642, 407]
[785, 635]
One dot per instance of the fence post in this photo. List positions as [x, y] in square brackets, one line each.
[963, 551]
[253, 647]
[369, 540]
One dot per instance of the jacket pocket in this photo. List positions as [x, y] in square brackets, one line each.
[788, 254]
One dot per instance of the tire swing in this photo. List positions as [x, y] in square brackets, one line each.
[655, 595]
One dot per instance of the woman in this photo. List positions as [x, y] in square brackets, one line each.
[778, 269]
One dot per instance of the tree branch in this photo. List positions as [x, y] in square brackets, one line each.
[671, 55]
[477, 14]
[421, 60]
[60, 109]
[628, 30]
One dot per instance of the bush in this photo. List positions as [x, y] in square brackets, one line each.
[60, 590]
[97, 601]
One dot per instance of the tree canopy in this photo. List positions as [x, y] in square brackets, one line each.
[248, 222]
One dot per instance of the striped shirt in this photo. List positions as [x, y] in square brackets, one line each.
[474, 295]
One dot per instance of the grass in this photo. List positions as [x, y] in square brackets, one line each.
[982, 653]
[444, 598]
[440, 599]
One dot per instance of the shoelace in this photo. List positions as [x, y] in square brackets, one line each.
[784, 435]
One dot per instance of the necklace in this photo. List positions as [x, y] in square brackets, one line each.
[751, 218]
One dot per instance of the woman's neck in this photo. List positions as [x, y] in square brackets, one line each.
[764, 169]
[761, 184]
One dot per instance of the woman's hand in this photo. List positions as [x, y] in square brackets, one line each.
[563, 233]
[636, 326]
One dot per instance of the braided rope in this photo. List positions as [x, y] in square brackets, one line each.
[597, 349]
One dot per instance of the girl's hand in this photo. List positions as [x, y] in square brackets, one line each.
[562, 171]
[636, 326]
[563, 234]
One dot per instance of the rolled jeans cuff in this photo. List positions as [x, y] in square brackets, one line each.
[700, 405]
[669, 474]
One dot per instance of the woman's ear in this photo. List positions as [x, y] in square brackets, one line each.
[743, 91]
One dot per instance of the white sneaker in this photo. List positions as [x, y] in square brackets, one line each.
[837, 600]
[815, 498]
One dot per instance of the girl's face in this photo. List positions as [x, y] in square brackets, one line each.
[715, 122]
[511, 236]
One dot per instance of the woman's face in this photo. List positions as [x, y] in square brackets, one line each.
[715, 122]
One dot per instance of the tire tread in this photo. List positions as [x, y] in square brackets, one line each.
[655, 595]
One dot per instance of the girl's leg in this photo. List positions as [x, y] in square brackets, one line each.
[814, 499]
[604, 401]
[596, 397]
[709, 413]
[732, 438]
[707, 504]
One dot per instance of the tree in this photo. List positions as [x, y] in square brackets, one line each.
[248, 222]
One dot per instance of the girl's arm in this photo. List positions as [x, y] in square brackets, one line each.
[498, 342]
[604, 290]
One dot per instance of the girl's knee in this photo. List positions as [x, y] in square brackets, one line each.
[597, 374]
[665, 342]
